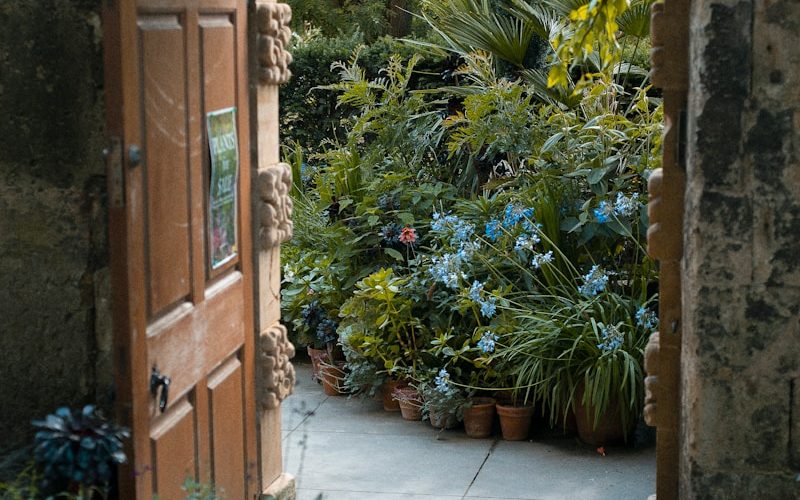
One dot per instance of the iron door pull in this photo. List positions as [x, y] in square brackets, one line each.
[156, 380]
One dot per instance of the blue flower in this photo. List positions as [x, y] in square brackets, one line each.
[526, 242]
[493, 231]
[514, 214]
[447, 270]
[475, 291]
[489, 307]
[646, 318]
[458, 229]
[624, 206]
[542, 258]
[326, 330]
[595, 281]
[612, 338]
[601, 212]
[486, 343]
[442, 382]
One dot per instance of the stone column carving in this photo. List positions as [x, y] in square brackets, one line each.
[276, 373]
[669, 57]
[274, 206]
[273, 36]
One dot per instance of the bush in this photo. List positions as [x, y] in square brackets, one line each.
[309, 114]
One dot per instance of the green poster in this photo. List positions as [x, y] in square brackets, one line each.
[224, 146]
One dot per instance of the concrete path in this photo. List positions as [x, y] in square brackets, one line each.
[350, 449]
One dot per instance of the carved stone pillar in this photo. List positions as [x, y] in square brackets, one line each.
[669, 57]
[272, 225]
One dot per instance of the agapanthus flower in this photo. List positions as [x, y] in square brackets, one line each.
[612, 338]
[408, 235]
[625, 206]
[442, 381]
[595, 281]
[542, 258]
[602, 211]
[646, 318]
[493, 231]
[487, 342]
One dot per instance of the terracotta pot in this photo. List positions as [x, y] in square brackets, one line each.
[609, 428]
[317, 356]
[478, 417]
[332, 379]
[515, 421]
[389, 402]
[410, 403]
[443, 419]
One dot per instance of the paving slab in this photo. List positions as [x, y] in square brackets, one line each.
[385, 463]
[351, 449]
[565, 469]
[309, 494]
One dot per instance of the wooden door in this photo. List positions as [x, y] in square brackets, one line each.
[169, 63]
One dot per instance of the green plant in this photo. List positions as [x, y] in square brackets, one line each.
[78, 448]
[196, 490]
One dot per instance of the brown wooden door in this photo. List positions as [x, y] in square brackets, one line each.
[168, 64]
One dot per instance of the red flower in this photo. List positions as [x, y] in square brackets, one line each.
[408, 235]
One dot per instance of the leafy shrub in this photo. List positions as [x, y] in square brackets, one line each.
[78, 447]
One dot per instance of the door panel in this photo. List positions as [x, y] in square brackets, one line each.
[174, 451]
[227, 434]
[165, 144]
[168, 64]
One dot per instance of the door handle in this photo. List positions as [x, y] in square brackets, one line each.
[156, 380]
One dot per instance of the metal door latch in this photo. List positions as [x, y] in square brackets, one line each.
[156, 380]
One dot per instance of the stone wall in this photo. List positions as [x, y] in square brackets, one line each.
[54, 321]
[741, 347]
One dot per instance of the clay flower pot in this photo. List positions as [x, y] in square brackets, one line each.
[332, 378]
[389, 402]
[317, 356]
[443, 419]
[410, 403]
[478, 417]
[609, 428]
[515, 421]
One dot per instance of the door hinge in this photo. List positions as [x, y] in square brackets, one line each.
[116, 177]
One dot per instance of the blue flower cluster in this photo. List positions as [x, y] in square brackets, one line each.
[488, 305]
[442, 382]
[493, 230]
[526, 242]
[316, 318]
[595, 281]
[487, 342]
[612, 338]
[514, 214]
[542, 258]
[460, 231]
[625, 206]
[646, 318]
[602, 212]
[447, 269]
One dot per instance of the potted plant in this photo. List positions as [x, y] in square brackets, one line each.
[442, 401]
[77, 451]
[410, 402]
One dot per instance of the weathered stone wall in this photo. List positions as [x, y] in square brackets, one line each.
[741, 350]
[54, 320]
